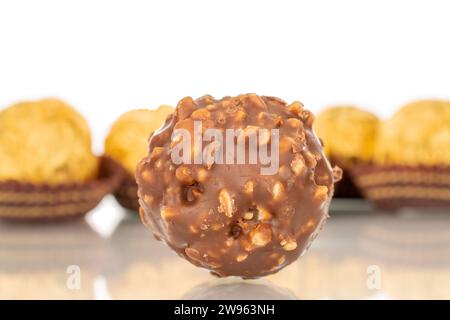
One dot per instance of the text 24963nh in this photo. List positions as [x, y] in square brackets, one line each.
[225, 309]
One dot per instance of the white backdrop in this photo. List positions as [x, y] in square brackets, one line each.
[106, 57]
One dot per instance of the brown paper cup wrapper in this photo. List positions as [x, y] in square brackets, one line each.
[42, 201]
[126, 193]
[396, 186]
[345, 188]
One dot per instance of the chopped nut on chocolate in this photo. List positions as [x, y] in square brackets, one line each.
[277, 190]
[263, 214]
[298, 165]
[241, 257]
[289, 245]
[184, 174]
[261, 235]
[226, 203]
[248, 187]
[192, 192]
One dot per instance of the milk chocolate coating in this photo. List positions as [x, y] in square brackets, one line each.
[229, 218]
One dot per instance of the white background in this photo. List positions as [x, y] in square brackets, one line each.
[105, 57]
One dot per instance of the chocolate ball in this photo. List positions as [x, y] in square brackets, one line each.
[249, 194]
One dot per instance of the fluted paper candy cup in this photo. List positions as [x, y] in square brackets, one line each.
[398, 186]
[20, 200]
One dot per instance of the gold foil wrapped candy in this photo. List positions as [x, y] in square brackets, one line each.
[411, 166]
[417, 134]
[47, 168]
[349, 135]
[45, 141]
[127, 143]
[128, 138]
[348, 132]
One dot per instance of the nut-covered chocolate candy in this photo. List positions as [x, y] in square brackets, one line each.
[246, 211]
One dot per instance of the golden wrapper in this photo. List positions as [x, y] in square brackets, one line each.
[128, 137]
[347, 132]
[127, 144]
[417, 134]
[45, 141]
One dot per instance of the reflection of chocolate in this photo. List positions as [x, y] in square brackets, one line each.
[31, 247]
[37, 260]
[411, 241]
[239, 290]
[229, 218]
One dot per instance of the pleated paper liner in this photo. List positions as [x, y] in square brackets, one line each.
[126, 193]
[392, 187]
[345, 188]
[48, 202]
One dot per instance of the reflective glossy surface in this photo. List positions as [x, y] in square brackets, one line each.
[360, 254]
